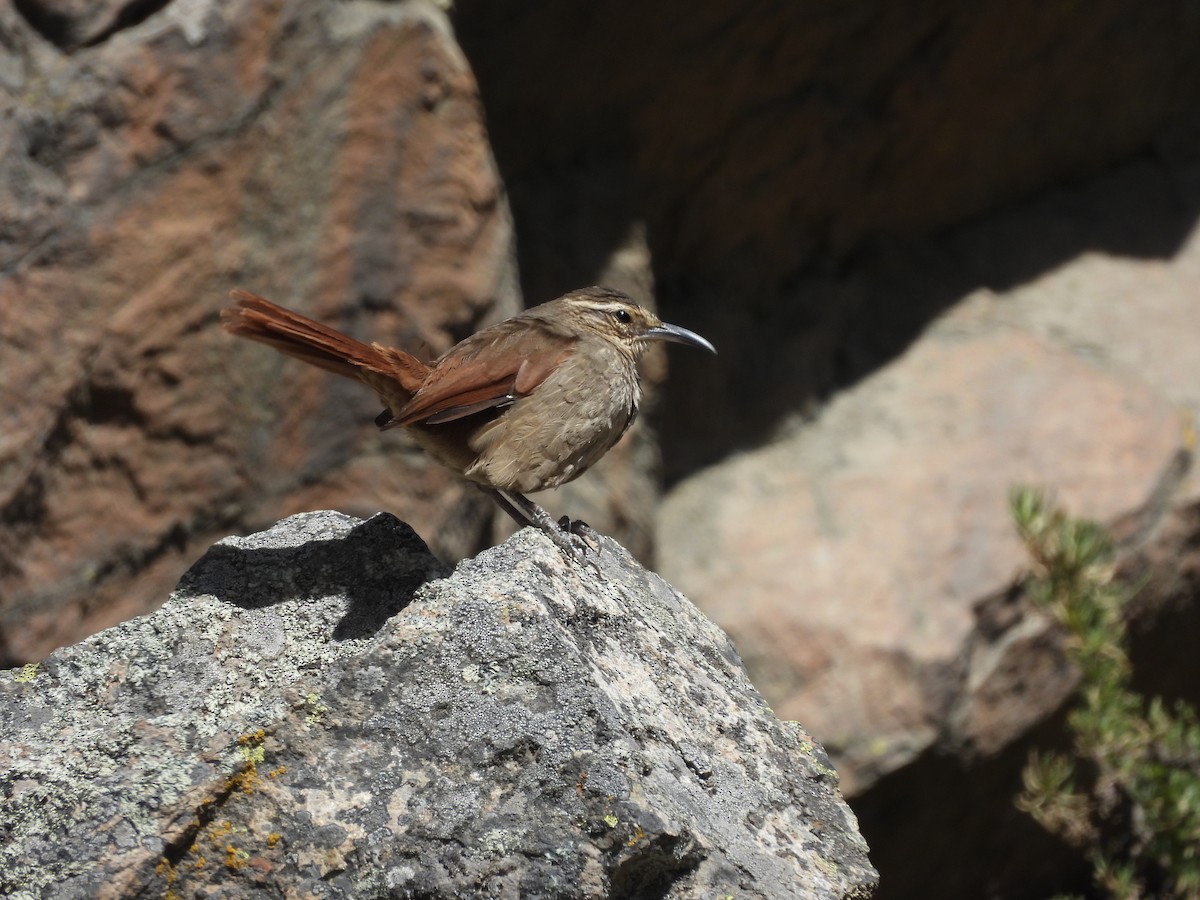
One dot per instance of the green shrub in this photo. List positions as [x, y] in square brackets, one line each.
[1129, 793]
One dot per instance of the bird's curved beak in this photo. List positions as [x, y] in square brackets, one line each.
[677, 335]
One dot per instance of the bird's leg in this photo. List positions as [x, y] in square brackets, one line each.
[503, 502]
[530, 512]
[525, 512]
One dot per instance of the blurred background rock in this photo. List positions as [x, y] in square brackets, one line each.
[943, 248]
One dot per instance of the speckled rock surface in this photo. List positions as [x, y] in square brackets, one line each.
[318, 711]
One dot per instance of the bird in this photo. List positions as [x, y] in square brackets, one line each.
[524, 405]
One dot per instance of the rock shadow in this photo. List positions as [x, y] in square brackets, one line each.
[377, 565]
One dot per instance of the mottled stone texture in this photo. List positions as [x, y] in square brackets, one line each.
[525, 727]
[330, 156]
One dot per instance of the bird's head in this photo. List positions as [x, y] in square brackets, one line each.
[613, 315]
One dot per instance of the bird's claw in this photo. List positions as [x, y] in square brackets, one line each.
[575, 538]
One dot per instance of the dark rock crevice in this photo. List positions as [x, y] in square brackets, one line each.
[74, 26]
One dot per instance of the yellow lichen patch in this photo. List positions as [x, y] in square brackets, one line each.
[220, 830]
[273, 838]
[252, 751]
[638, 836]
[275, 773]
[235, 857]
[316, 709]
[252, 743]
[165, 870]
[244, 779]
[27, 673]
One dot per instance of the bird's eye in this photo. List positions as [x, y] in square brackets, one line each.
[623, 316]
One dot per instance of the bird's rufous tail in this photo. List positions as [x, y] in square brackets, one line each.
[383, 368]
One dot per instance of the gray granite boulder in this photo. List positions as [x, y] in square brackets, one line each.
[323, 709]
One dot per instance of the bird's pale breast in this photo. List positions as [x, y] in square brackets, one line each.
[525, 450]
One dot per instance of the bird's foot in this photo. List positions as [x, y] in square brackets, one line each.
[576, 526]
[570, 537]
[574, 538]
[588, 537]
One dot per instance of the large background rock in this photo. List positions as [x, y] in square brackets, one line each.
[523, 728]
[329, 156]
[861, 539]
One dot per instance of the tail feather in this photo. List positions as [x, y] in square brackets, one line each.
[299, 336]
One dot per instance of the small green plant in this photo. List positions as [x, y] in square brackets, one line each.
[1129, 793]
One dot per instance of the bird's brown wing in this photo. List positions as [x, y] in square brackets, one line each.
[490, 369]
